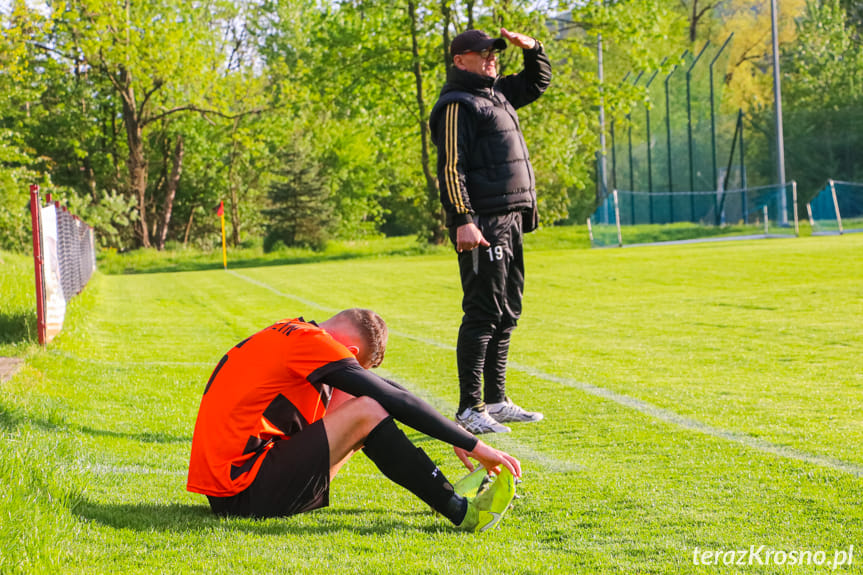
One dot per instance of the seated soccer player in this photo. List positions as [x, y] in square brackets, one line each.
[285, 408]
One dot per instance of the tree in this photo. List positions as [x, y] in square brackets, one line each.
[436, 230]
[19, 94]
[697, 11]
[157, 67]
[823, 104]
[300, 212]
[749, 77]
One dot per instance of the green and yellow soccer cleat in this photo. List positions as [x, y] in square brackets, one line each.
[486, 510]
[473, 483]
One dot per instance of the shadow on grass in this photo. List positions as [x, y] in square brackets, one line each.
[147, 437]
[12, 417]
[18, 327]
[181, 517]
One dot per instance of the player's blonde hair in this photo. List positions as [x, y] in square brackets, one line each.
[371, 328]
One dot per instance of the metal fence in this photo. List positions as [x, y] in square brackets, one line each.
[676, 139]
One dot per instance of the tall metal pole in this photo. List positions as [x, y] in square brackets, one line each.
[777, 96]
[743, 183]
[742, 164]
[629, 121]
[631, 164]
[603, 177]
[649, 155]
[613, 155]
[689, 124]
[647, 127]
[689, 118]
[668, 137]
[713, 108]
[614, 144]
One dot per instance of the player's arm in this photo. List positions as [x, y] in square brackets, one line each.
[399, 402]
[413, 411]
[455, 130]
[394, 384]
[528, 85]
[339, 397]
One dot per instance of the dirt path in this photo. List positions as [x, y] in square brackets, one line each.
[8, 367]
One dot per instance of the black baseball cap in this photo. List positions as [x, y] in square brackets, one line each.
[475, 41]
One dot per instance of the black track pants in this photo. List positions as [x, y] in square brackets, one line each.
[492, 280]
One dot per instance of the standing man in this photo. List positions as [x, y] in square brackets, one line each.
[487, 191]
[287, 407]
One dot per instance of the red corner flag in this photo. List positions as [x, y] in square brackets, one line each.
[221, 211]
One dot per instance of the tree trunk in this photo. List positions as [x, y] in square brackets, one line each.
[696, 17]
[436, 230]
[693, 22]
[171, 192]
[138, 182]
[235, 217]
[446, 12]
[189, 226]
[137, 160]
[115, 156]
[232, 186]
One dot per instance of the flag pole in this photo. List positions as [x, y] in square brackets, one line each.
[224, 248]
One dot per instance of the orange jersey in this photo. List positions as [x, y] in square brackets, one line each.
[266, 388]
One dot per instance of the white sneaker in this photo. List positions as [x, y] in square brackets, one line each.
[507, 411]
[478, 422]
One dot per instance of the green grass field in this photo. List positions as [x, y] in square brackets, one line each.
[704, 397]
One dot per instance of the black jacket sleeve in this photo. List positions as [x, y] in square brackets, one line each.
[456, 128]
[400, 403]
[528, 85]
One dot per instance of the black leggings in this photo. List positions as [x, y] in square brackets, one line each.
[492, 280]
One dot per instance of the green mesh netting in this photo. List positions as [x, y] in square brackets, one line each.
[837, 208]
[628, 218]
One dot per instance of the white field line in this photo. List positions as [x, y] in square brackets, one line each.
[303, 301]
[638, 405]
[501, 440]
[669, 416]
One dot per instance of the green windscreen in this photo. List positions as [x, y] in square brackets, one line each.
[630, 218]
[837, 208]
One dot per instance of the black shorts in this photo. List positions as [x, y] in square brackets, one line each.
[294, 478]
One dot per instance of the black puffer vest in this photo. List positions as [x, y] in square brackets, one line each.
[499, 177]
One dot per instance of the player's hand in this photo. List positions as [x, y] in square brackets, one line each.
[517, 39]
[464, 458]
[490, 458]
[469, 236]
